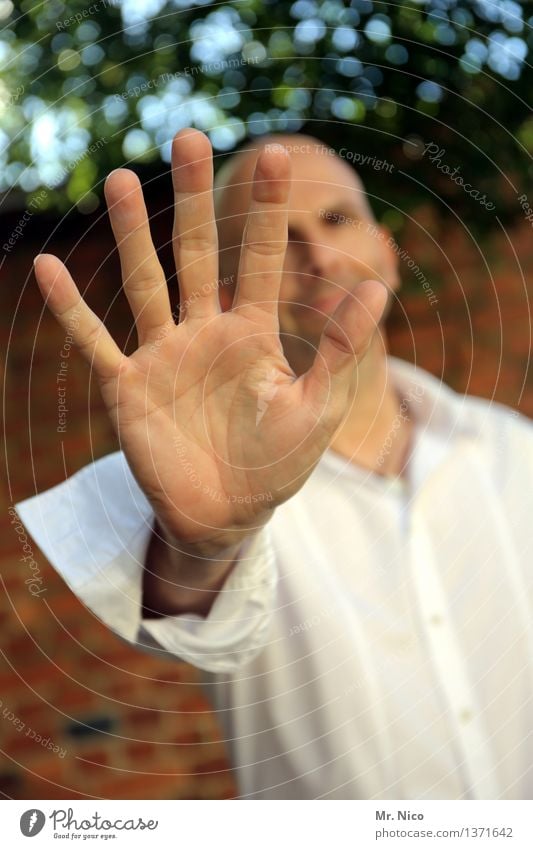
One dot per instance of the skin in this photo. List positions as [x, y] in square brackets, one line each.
[223, 416]
[326, 258]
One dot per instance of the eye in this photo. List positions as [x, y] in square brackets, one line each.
[336, 218]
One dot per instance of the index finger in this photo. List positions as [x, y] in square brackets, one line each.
[64, 301]
[265, 236]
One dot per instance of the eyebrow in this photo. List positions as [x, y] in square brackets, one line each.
[343, 205]
[344, 208]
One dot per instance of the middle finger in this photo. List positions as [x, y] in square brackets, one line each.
[264, 242]
[195, 239]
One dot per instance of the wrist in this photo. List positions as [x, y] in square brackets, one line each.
[182, 579]
[221, 547]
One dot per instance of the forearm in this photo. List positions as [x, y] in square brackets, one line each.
[177, 581]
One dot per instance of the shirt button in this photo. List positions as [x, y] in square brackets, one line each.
[466, 715]
[436, 619]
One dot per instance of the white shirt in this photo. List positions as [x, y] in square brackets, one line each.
[376, 641]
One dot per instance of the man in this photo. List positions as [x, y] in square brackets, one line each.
[335, 538]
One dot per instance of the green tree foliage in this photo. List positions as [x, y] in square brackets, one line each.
[87, 86]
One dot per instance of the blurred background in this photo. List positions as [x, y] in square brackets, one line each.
[417, 95]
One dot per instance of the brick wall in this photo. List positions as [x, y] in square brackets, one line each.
[130, 725]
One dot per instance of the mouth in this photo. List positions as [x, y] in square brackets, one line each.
[328, 303]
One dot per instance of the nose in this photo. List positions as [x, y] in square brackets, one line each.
[316, 258]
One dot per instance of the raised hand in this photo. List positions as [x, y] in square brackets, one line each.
[216, 427]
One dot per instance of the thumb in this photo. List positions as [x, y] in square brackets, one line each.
[346, 339]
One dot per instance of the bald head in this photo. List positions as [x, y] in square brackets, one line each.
[308, 156]
[316, 172]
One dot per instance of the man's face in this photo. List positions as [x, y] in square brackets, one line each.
[334, 241]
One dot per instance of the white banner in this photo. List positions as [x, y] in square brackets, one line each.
[268, 825]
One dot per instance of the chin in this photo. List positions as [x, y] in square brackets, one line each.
[300, 346]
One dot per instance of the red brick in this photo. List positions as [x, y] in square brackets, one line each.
[140, 752]
[97, 756]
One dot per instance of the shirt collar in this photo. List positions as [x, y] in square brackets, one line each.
[440, 423]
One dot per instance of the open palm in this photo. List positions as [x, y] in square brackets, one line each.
[216, 427]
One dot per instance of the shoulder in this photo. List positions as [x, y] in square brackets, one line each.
[497, 423]
[502, 435]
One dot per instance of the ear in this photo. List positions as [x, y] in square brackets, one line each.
[390, 258]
